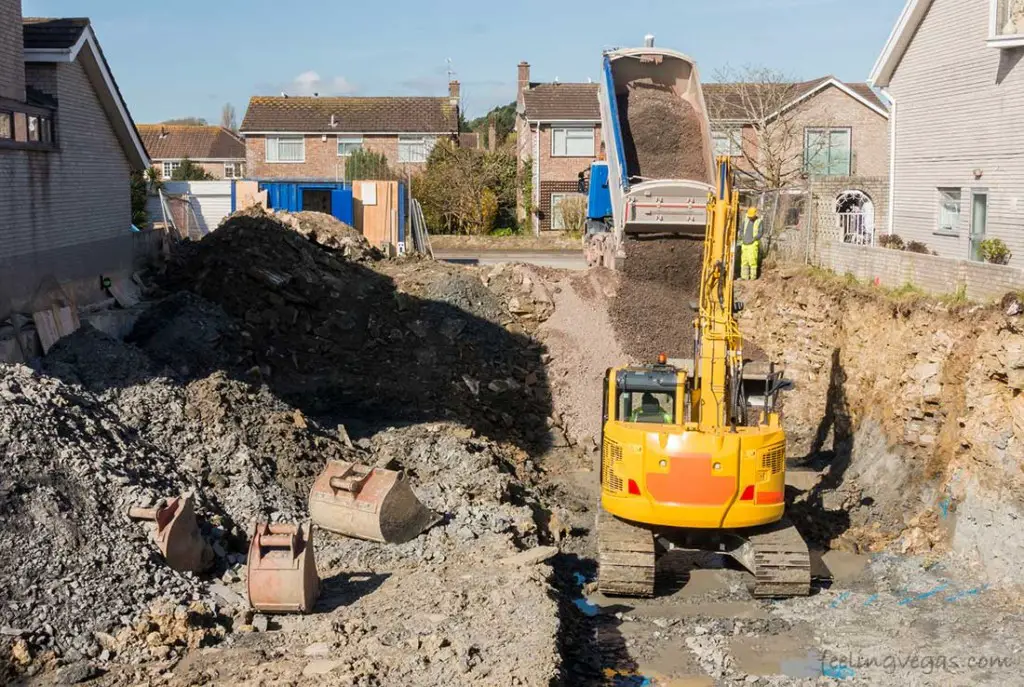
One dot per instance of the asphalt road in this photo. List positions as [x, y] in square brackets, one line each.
[566, 260]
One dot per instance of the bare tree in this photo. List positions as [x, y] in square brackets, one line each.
[753, 108]
[228, 119]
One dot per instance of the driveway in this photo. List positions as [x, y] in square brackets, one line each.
[566, 260]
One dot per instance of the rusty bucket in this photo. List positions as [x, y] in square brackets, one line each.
[282, 575]
[177, 533]
[368, 503]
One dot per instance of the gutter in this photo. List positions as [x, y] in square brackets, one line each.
[892, 159]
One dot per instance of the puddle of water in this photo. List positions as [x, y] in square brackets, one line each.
[738, 610]
[844, 567]
[770, 655]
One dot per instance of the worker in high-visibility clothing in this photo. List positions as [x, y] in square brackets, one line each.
[750, 245]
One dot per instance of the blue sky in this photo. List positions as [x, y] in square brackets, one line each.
[189, 57]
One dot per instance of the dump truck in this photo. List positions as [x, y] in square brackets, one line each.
[658, 168]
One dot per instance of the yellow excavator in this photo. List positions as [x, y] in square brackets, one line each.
[693, 453]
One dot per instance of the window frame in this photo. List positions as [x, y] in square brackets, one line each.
[996, 37]
[566, 128]
[735, 146]
[164, 174]
[9, 115]
[277, 138]
[426, 141]
[237, 170]
[18, 114]
[941, 192]
[349, 139]
[561, 195]
[828, 131]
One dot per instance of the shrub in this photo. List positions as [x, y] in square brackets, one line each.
[891, 241]
[994, 251]
[367, 165]
[917, 247]
[505, 232]
[573, 210]
[190, 171]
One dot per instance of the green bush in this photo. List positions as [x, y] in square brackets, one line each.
[994, 251]
[367, 165]
[505, 232]
[891, 241]
[190, 171]
[139, 193]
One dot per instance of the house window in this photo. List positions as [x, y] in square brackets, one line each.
[234, 170]
[415, 148]
[565, 206]
[349, 144]
[168, 169]
[1006, 28]
[727, 142]
[949, 210]
[286, 149]
[6, 125]
[34, 129]
[827, 152]
[572, 141]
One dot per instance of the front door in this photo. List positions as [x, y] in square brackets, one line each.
[979, 219]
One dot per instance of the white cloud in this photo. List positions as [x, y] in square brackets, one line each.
[310, 82]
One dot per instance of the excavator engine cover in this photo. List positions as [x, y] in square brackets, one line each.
[368, 503]
[177, 534]
[282, 576]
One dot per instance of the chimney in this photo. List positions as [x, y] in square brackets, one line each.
[12, 51]
[492, 135]
[524, 80]
[454, 91]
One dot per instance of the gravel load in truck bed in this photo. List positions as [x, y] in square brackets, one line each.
[661, 133]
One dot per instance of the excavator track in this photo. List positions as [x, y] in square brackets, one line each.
[780, 561]
[626, 557]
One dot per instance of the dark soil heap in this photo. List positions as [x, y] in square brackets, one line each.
[661, 133]
[651, 311]
[333, 336]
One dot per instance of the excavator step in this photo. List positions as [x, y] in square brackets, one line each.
[626, 557]
[780, 561]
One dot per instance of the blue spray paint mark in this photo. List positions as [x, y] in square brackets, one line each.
[579, 578]
[871, 599]
[923, 595]
[588, 609]
[944, 507]
[838, 672]
[631, 681]
[842, 597]
[967, 592]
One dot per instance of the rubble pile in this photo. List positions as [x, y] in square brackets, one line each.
[71, 563]
[326, 231]
[662, 134]
[332, 336]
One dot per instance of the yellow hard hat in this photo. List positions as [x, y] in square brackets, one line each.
[752, 213]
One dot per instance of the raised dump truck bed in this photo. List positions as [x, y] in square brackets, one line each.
[660, 165]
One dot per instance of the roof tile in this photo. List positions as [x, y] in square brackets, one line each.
[174, 142]
[351, 115]
[42, 33]
[562, 101]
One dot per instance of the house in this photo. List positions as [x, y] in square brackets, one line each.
[558, 136]
[310, 138]
[217, 150]
[67, 148]
[828, 133]
[952, 71]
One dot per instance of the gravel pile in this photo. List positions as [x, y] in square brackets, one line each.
[71, 563]
[662, 134]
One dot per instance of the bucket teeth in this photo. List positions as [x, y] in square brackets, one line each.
[368, 503]
[282, 575]
[177, 533]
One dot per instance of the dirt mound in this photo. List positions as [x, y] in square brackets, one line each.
[651, 312]
[332, 336]
[71, 563]
[662, 134]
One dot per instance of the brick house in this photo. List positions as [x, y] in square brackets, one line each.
[558, 135]
[310, 138]
[217, 150]
[953, 73]
[67, 148]
[840, 132]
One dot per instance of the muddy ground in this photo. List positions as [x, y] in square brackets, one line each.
[266, 352]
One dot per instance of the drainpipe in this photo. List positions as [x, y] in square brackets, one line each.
[892, 160]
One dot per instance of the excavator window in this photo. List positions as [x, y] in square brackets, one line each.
[647, 407]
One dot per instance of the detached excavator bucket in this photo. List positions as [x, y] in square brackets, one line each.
[368, 503]
[177, 533]
[282, 576]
